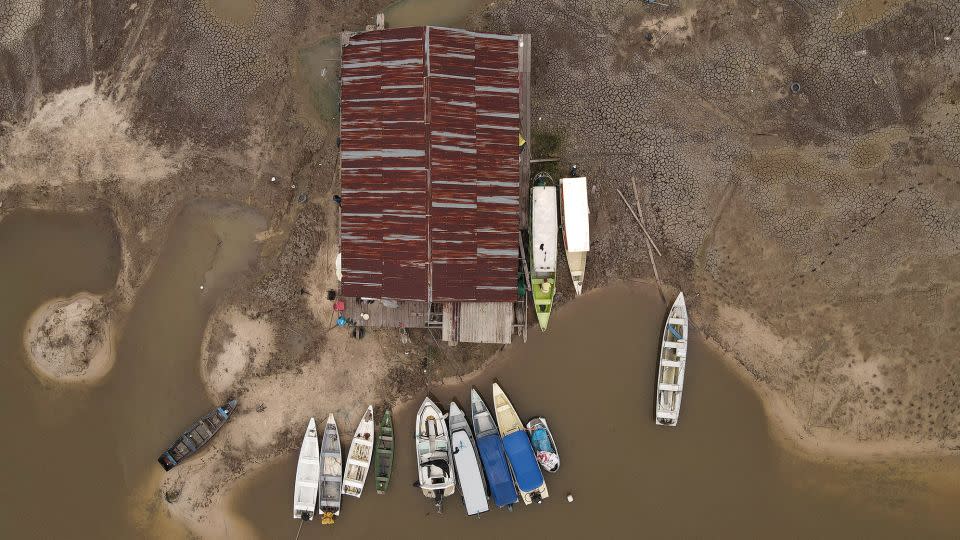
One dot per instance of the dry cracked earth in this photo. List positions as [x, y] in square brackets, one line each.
[797, 164]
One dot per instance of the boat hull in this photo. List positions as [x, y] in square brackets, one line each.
[197, 436]
[473, 489]
[544, 446]
[359, 457]
[383, 455]
[331, 472]
[307, 481]
[672, 365]
[496, 470]
[436, 475]
[520, 456]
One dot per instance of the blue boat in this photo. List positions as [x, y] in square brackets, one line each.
[495, 467]
[516, 443]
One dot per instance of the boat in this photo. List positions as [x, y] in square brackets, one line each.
[575, 214]
[492, 456]
[467, 462]
[436, 477]
[197, 435]
[307, 483]
[331, 472]
[544, 447]
[359, 456]
[673, 362]
[543, 246]
[383, 454]
[516, 443]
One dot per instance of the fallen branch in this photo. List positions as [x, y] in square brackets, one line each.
[656, 274]
[642, 228]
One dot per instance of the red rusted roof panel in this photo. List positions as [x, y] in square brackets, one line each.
[430, 165]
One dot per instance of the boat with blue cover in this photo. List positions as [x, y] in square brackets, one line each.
[516, 443]
[494, 458]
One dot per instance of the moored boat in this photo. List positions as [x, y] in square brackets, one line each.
[331, 472]
[543, 246]
[307, 483]
[516, 443]
[544, 447]
[575, 216]
[492, 455]
[436, 477]
[197, 435]
[467, 461]
[383, 454]
[359, 456]
[673, 363]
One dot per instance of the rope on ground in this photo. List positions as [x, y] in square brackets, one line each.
[636, 194]
[642, 228]
[300, 528]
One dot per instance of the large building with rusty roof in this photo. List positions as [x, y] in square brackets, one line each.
[430, 166]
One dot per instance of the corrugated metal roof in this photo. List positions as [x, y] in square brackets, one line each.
[429, 119]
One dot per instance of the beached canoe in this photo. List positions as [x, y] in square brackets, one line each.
[467, 461]
[544, 231]
[307, 483]
[435, 474]
[492, 455]
[575, 216]
[673, 363]
[331, 472]
[359, 456]
[516, 443]
[544, 447]
[197, 435]
[383, 454]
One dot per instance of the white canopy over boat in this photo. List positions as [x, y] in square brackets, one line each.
[359, 456]
[467, 462]
[307, 484]
[544, 230]
[576, 227]
[673, 362]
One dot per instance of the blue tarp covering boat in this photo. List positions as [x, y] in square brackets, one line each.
[524, 463]
[495, 467]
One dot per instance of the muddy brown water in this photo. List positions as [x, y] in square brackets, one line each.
[75, 458]
[718, 474]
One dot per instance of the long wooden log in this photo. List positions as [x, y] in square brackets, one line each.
[636, 217]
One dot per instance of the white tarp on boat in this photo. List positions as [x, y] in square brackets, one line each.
[468, 473]
[545, 228]
[576, 214]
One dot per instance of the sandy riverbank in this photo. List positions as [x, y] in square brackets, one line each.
[71, 340]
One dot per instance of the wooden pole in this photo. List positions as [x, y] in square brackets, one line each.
[636, 193]
[642, 228]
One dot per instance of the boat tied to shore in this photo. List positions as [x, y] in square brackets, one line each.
[359, 456]
[307, 483]
[516, 443]
[544, 447]
[492, 455]
[436, 477]
[467, 461]
[196, 436]
[383, 454]
[673, 363]
[331, 472]
[575, 215]
[543, 246]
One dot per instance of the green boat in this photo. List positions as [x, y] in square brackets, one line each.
[383, 456]
[544, 233]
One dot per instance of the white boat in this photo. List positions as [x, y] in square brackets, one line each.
[331, 472]
[467, 461]
[519, 449]
[307, 483]
[673, 362]
[497, 471]
[576, 227]
[544, 446]
[359, 456]
[434, 458]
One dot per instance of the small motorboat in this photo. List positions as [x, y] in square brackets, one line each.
[516, 442]
[673, 363]
[467, 461]
[307, 484]
[434, 458]
[544, 446]
[383, 454]
[196, 436]
[331, 472]
[494, 458]
[359, 456]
